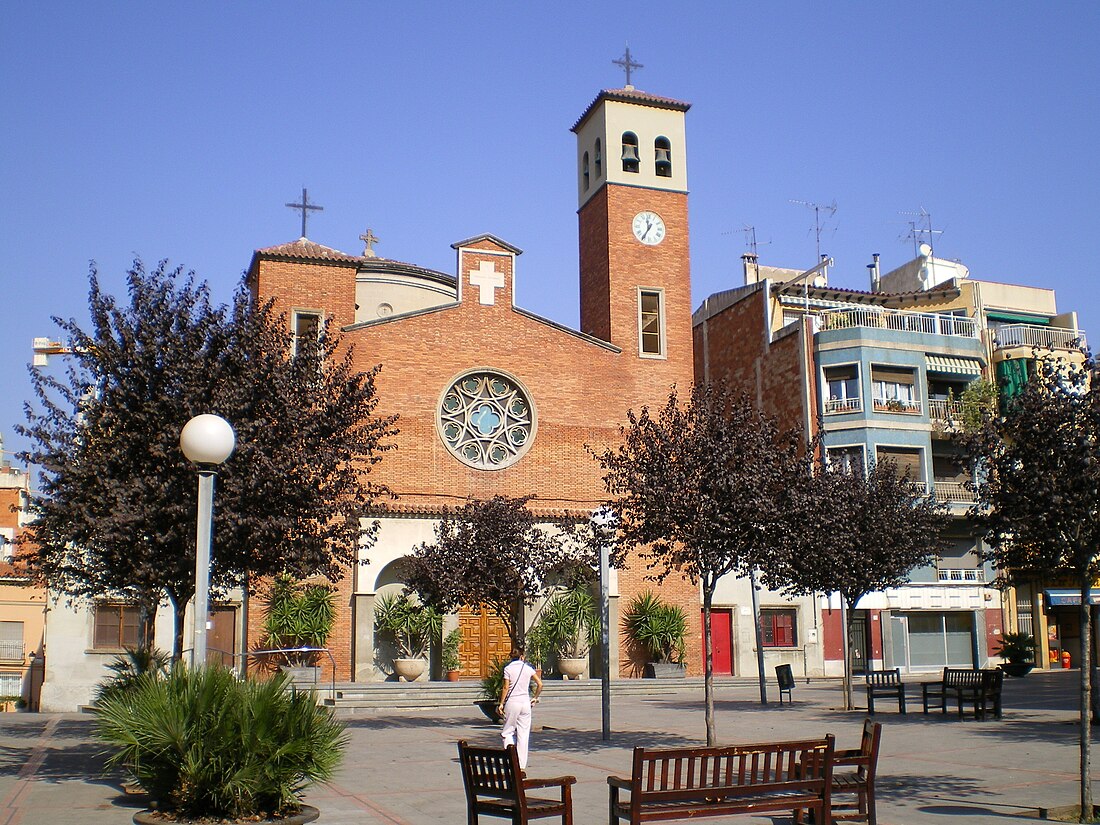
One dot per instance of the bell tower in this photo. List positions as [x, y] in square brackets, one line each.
[635, 273]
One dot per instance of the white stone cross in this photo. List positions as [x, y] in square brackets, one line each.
[488, 281]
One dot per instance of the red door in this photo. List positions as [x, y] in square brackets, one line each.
[721, 640]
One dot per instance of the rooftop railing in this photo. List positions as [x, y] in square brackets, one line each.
[930, 323]
[1030, 335]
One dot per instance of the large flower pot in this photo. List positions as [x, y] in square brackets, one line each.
[307, 814]
[665, 670]
[1017, 668]
[489, 708]
[572, 668]
[409, 670]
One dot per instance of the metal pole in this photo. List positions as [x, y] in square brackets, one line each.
[605, 638]
[202, 564]
[759, 639]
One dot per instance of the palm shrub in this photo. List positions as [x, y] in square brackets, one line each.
[409, 625]
[571, 623]
[656, 627]
[203, 743]
[1017, 648]
[298, 615]
[129, 667]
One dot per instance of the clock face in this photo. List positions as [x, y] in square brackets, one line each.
[649, 228]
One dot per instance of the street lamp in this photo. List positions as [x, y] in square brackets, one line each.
[207, 441]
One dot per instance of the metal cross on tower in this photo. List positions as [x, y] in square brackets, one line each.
[369, 239]
[627, 65]
[305, 206]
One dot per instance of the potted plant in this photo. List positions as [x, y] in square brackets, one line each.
[572, 628]
[300, 617]
[491, 685]
[658, 629]
[210, 747]
[1018, 650]
[410, 626]
[538, 645]
[452, 665]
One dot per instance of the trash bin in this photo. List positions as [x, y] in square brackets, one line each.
[786, 681]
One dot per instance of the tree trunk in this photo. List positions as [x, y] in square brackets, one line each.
[177, 625]
[1086, 699]
[759, 639]
[846, 650]
[708, 664]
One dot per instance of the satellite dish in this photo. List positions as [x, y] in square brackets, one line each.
[925, 250]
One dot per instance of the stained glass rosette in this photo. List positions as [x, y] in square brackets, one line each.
[486, 420]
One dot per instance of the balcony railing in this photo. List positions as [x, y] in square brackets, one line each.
[897, 405]
[953, 492]
[970, 575]
[942, 409]
[843, 405]
[879, 318]
[12, 651]
[1028, 335]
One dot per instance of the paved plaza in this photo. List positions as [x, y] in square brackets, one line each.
[401, 767]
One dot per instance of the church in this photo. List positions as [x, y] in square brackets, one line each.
[478, 421]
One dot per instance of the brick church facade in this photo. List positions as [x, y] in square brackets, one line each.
[513, 420]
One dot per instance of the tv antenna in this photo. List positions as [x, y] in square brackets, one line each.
[750, 239]
[921, 232]
[818, 208]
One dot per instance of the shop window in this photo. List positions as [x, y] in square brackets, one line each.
[778, 626]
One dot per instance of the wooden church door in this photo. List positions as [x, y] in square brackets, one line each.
[484, 639]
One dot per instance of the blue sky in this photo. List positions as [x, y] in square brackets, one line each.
[179, 131]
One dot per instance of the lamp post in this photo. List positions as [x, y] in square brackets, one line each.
[207, 441]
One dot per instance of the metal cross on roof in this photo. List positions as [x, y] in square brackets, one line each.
[305, 206]
[627, 65]
[369, 239]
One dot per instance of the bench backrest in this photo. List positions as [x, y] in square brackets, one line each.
[961, 677]
[490, 771]
[680, 773]
[883, 678]
[992, 679]
[867, 761]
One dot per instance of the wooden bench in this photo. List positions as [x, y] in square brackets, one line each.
[495, 786]
[981, 688]
[859, 782]
[885, 683]
[686, 783]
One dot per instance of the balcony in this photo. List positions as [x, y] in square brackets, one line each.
[1037, 337]
[897, 405]
[960, 576]
[881, 318]
[843, 405]
[952, 492]
[943, 409]
[12, 651]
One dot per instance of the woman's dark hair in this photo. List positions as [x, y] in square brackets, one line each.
[517, 650]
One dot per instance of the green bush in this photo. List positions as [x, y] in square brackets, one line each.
[298, 615]
[570, 623]
[657, 627]
[1017, 648]
[129, 667]
[452, 642]
[203, 743]
[493, 681]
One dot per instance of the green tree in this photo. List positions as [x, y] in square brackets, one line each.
[1038, 491]
[117, 502]
[700, 488]
[860, 532]
[494, 552]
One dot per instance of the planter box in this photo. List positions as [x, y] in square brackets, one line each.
[665, 670]
[303, 676]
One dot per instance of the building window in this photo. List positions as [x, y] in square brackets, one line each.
[116, 626]
[584, 171]
[486, 419]
[894, 390]
[662, 151]
[908, 461]
[598, 159]
[651, 322]
[778, 626]
[845, 459]
[842, 389]
[11, 685]
[306, 327]
[11, 641]
[631, 161]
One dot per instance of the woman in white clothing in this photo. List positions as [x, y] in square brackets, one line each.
[516, 700]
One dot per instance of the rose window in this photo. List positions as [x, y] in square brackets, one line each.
[486, 420]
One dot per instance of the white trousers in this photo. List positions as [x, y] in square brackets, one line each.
[517, 726]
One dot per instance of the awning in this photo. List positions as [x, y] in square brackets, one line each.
[1057, 598]
[962, 366]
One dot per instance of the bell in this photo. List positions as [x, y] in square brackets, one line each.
[663, 155]
[630, 152]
